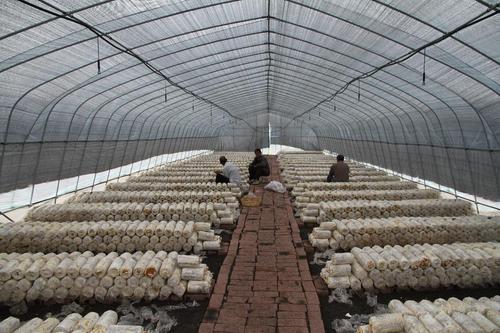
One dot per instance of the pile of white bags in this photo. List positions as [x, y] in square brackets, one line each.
[103, 277]
[452, 315]
[418, 267]
[346, 234]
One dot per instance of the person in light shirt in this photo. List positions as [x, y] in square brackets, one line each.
[230, 173]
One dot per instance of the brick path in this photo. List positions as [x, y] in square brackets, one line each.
[264, 284]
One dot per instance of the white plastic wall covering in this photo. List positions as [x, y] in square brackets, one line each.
[52, 190]
[59, 118]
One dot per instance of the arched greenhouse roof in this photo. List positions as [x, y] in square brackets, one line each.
[408, 85]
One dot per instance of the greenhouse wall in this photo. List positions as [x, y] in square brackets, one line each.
[34, 163]
[470, 171]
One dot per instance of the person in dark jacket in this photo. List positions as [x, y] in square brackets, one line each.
[258, 168]
[339, 172]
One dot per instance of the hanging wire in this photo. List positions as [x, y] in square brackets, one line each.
[359, 90]
[334, 106]
[211, 116]
[117, 45]
[98, 57]
[165, 91]
[491, 11]
[423, 72]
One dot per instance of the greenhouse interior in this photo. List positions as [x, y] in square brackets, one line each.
[250, 166]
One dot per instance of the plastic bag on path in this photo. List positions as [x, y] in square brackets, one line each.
[340, 295]
[371, 300]
[275, 186]
[342, 326]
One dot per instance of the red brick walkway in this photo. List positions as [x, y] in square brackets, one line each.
[264, 284]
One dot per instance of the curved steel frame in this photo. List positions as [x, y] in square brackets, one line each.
[154, 114]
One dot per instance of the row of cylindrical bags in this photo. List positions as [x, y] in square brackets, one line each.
[106, 278]
[198, 166]
[314, 163]
[469, 315]
[181, 187]
[347, 234]
[355, 176]
[214, 157]
[92, 322]
[189, 172]
[286, 159]
[322, 169]
[193, 169]
[418, 267]
[356, 209]
[108, 236]
[152, 197]
[219, 213]
[353, 179]
[193, 165]
[395, 195]
[302, 189]
[177, 179]
[362, 171]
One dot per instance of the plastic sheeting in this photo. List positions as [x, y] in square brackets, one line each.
[212, 74]
[44, 191]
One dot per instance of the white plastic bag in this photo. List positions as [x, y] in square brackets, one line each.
[275, 186]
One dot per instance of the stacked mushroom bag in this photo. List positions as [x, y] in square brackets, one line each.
[198, 163]
[299, 152]
[318, 196]
[418, 267]
[177, 179]
[321, 170]
[194, 165]
[92, 322]
[156, 197]
[356, 209]
[352, 179]
[108, 236]
[318, 159]
[218, 213]
[294, 176]
[174, 187]
[187, 174]
[214, 158]
[316, 164]
[452, 315]
[105, 278]
[302, 189]
[187, 171]
[346, 234]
